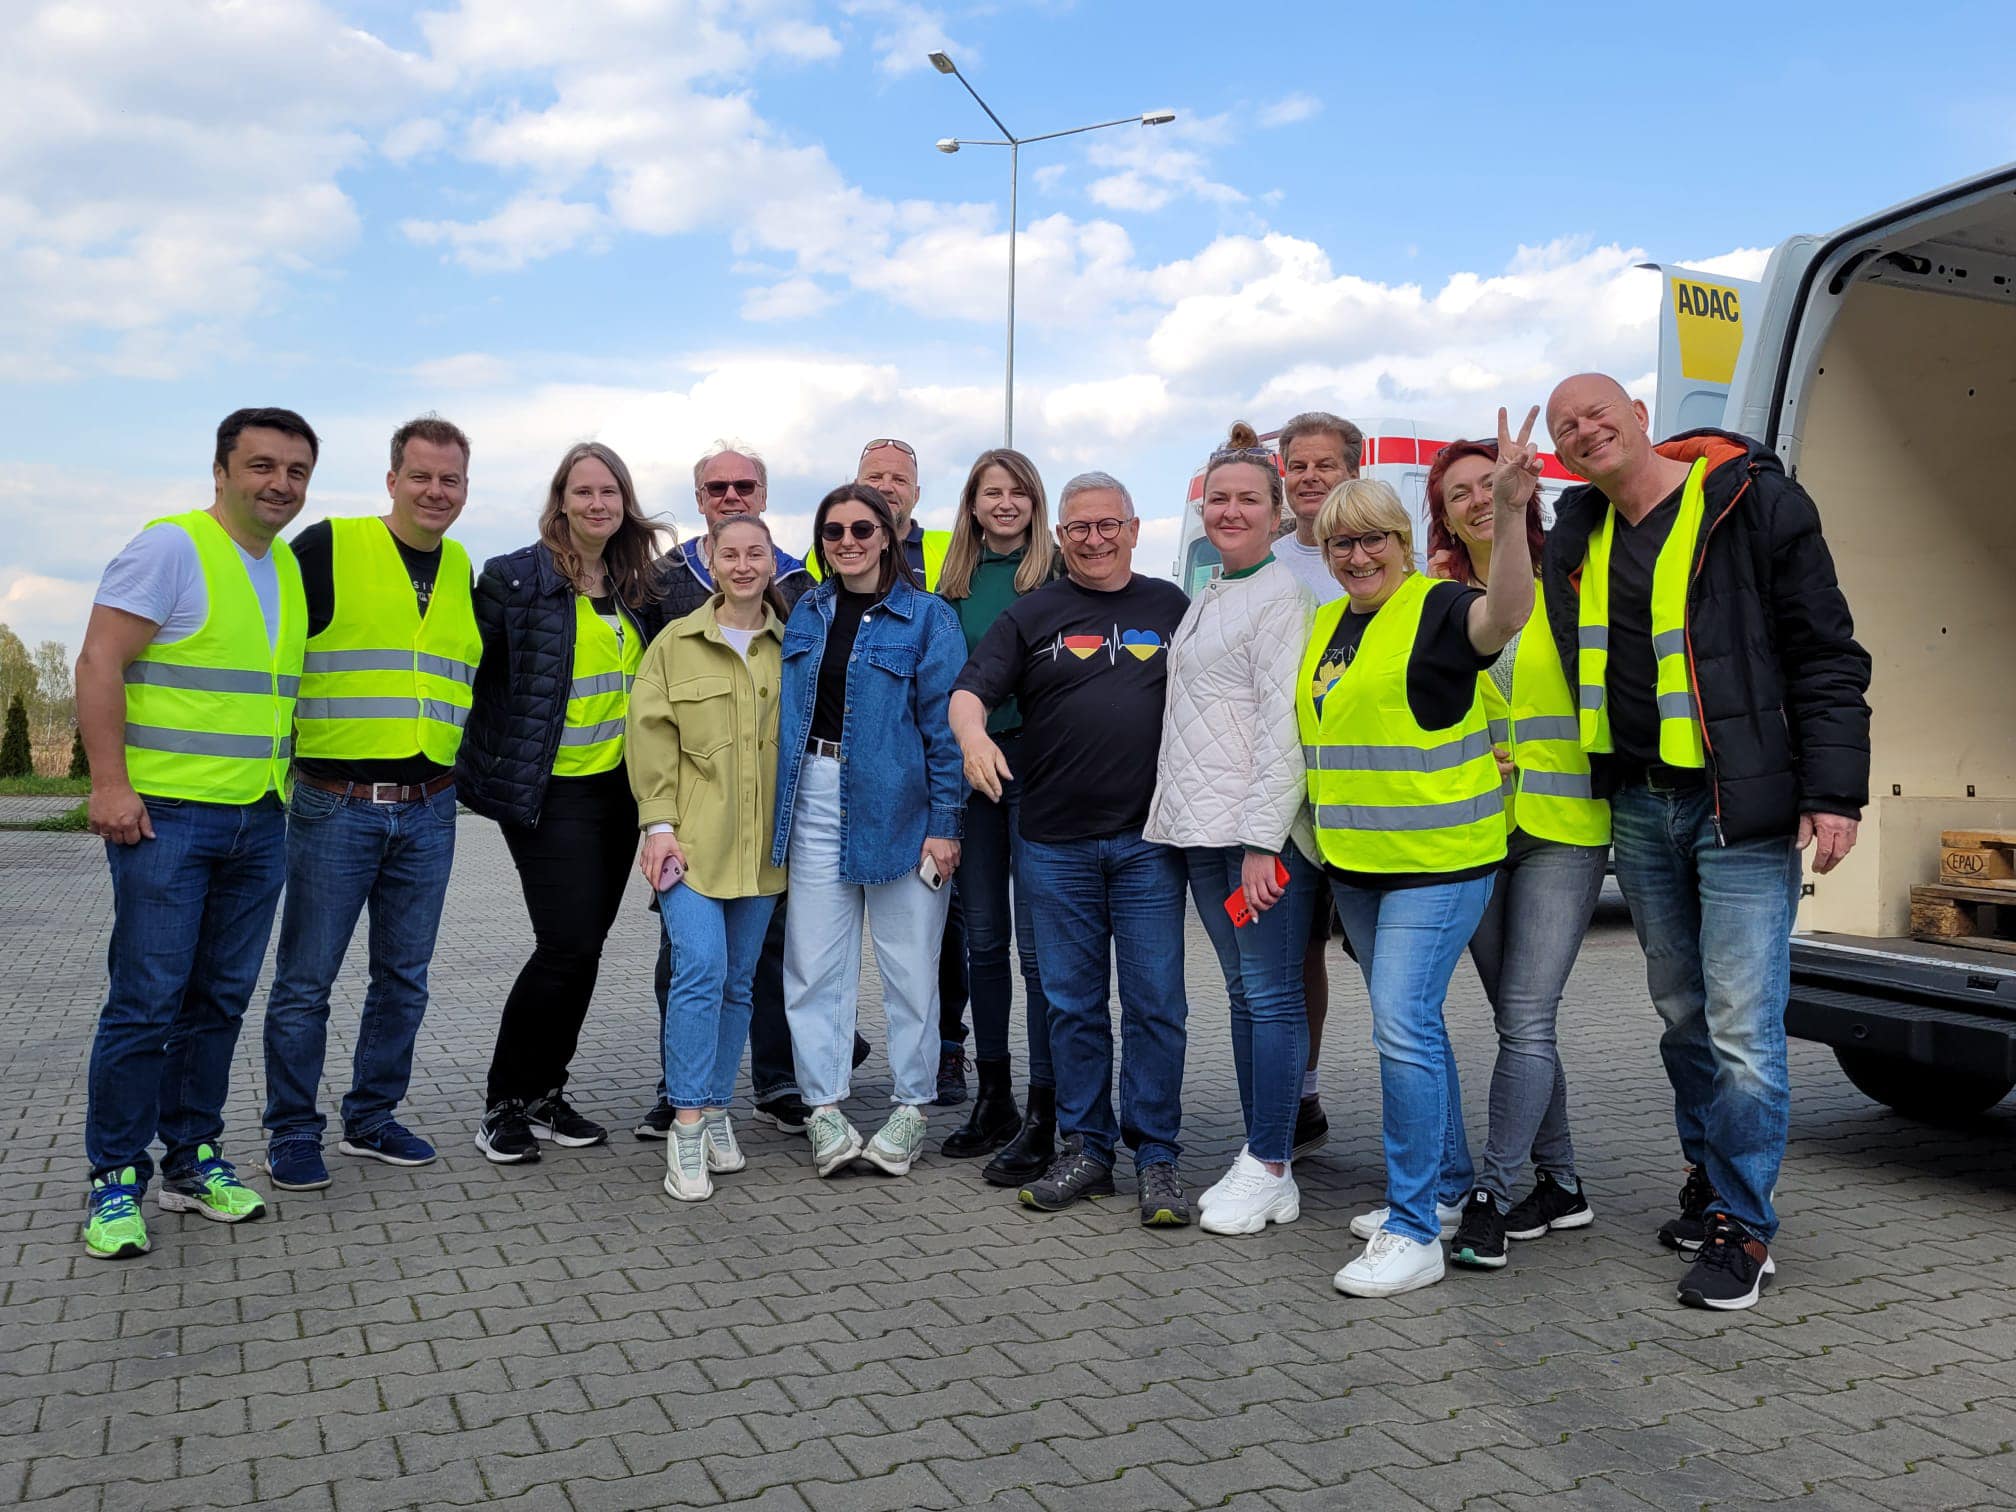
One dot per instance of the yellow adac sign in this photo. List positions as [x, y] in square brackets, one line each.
[1708, 319]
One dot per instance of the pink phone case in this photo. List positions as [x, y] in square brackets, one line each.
[670, 873]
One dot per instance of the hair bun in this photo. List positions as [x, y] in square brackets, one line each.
[1242, 438]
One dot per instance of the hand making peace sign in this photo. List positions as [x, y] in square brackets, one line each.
[1516, 478]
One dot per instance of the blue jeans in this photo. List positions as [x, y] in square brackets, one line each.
[345, 855]
[1092, 902]
[991, 897]
[771, 1073]
[1716, 924]
[1524, 948]
[192, 910]
[1408, 941]
[1262, 965]
[714, 944]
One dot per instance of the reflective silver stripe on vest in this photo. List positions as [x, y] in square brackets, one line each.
[595, 734]
[1360, 758]
[205, 679]
[448, 667]
[382, 708]
[389, 661]
[1550, 727]
[1593, 637]
[1408, 816]
[203, 743]
[602, 682]
[1669, 643]
[1676, 705]
[1592, 696]
[445, 713]
[1501, 731]
[1555, 784]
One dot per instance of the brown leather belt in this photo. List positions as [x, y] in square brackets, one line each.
[380, 792]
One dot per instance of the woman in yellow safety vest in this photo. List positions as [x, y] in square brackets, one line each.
[565, 622]
[1409, 821]
[1547, 886]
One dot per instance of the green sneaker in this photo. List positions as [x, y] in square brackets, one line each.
[897, 1142]
[212, 1189]
[835, 1142]
[114, 1229]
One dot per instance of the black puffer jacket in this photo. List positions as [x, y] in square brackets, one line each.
[685, 592]
[525, 611]
[1777, 673]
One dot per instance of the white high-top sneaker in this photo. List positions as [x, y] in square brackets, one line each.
[1250, 1197]
[1392, 1264]
[686, 1175]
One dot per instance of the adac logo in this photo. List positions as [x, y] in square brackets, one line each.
[1141, 644]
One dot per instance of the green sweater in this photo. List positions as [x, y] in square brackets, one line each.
[991, 589]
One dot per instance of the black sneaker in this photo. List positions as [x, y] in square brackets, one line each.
[1730, 1269]
[1163, 1204]
[505, 1136]
[1072, 1175]
[788, 1113]
[951, 1076]
[553, 1117]
[657, 1124]
[1312, 1129]
[1480, 1237]
[1549, 1205]
[1686, 1232]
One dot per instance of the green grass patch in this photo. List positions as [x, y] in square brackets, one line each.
[74, 821]
[44, 787]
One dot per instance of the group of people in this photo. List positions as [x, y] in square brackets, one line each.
[998, 747]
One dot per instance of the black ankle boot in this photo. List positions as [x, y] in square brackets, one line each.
[994, 1119]
[1031, 1151]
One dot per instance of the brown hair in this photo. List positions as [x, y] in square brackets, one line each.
[894, 563]
[1442, 538]
[772, 595]
[1039, 560]
[631, 556]
[428, 427]
[1242, 447]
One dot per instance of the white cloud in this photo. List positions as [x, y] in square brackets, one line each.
[1154, 165]
[906, 35]
[789, 299]
[530, 227]
[414, 138]
[464, 370]
[1291, 109]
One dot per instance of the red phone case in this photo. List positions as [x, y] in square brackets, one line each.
[1236, 907]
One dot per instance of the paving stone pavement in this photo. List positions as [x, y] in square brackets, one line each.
[26, 808]
[564, 1336]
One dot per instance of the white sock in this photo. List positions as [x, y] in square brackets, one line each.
[1309, 1086]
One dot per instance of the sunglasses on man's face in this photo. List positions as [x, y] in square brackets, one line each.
[718, 489]
[861, 530]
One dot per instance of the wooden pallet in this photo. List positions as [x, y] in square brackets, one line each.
[1978, 858]
[1981, 918]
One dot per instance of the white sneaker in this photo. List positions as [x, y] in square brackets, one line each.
[898, 1142]
[836, 1143]
[1392, 1264]
[718, 1134]
[686, 1163]
[1250, 1197]
[1365, 1225]
[1239, 1162]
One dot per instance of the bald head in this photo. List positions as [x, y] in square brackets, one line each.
[1599, 431]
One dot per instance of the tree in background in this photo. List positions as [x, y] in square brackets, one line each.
[80, 764]
[14, 758]
[17, 669]
[53, 707]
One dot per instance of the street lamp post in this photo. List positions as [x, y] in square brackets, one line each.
[944, 64]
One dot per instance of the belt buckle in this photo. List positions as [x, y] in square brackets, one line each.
[396, 788]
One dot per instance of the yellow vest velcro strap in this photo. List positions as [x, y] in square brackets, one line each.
[390, 661]
[1555, 784]
[208, 679]
[382, 708]
[581, 735]
[1676, 705]
[1593, 637]
[1549, 727]
[1365, 758]
[1669, 643]
[602, 682]
[204, 742]
[1409, 816]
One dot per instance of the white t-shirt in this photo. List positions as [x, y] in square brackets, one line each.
[159, 577]
[739, 639]
[1310, 566]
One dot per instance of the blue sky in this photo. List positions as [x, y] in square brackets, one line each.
[657, 223]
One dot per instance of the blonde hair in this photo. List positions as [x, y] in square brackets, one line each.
[1359, 505]
[1242, 448]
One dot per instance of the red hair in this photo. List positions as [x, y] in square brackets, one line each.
[1441, 538]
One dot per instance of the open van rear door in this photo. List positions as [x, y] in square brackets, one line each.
[1700, 338]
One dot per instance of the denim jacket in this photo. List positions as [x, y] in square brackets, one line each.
[902, 779]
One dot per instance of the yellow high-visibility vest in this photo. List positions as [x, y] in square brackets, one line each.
[1680, 743]
[380, 681]
[935, 543]
[1551, 770]
[1387, 795]
[606, 660]
[210, 717]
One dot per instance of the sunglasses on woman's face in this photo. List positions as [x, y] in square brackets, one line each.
[861, 530]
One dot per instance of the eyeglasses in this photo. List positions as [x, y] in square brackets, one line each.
[1374, 542]
[861, 530]
[1081, 530]
[718, 489]
[902, 446]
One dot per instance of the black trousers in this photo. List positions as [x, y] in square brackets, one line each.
[574, 866]
[952, 973]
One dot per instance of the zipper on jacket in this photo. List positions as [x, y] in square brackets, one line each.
[1693, 672]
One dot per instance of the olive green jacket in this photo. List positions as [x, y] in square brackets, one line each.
[702, 751]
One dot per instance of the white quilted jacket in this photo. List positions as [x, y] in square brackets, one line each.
[1230, 770]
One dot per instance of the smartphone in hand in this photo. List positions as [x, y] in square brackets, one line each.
[1238, 910]
[928, 870]
[671, 873]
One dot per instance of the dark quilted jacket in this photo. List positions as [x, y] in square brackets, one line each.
[525, 611]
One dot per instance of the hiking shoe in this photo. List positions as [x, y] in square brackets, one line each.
[718, 1135]
[211, 1188]
[1365, 1225]
[657, 1124]
[1163, 1204]
[686, 1175]
[898, 1142]
[113, 1227]
[1549, 1205]
[553, 1117]
[1073, 1174]
[951, 1077]
[505, 1136]
[1392, 1264]
[1480, 1237]
[391, 1142]
[1249, 1197]
[1731, 1267]
[1312, 1129]
[788, 1113]
[296, 1165]
[1686, 1232]
[835, 1142]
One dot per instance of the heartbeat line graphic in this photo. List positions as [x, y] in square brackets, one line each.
[1140, 644]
